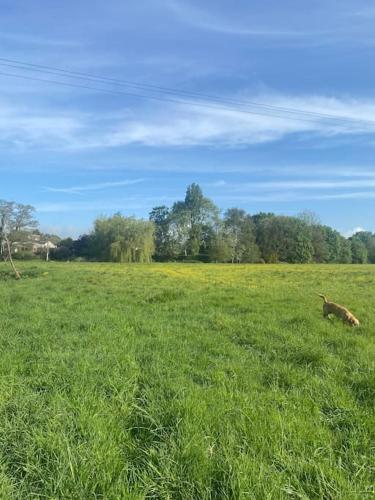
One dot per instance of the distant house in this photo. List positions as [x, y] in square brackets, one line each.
[32, 243]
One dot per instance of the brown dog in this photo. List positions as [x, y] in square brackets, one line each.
[339, 311]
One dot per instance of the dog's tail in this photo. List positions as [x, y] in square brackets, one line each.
[323, 297]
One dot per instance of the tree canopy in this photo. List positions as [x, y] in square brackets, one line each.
[15, 219]
[193, 229]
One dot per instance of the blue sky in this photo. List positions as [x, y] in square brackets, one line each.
[76, 153]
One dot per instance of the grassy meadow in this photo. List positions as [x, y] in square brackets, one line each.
[183, 381]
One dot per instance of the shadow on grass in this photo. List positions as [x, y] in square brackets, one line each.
[167, 295]
[33, 272]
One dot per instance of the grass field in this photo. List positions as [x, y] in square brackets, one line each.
[175, 381]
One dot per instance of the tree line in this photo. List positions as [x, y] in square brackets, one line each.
[192, 229]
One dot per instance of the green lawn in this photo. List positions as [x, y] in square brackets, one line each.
[175, 381]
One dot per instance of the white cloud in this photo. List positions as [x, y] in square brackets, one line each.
[310, 184]
[133, 204]
[26, 129]
[220, 183]
[94, 206]
[350, 232]
[204, 20]
[291, 196]
[318, 23]
[192, 125]
[187, 124]
[94, 187]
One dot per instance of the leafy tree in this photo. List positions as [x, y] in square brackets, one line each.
[258, 218]
[333, 241]
[319, 243]
[250, 250]
[345, 256]
[310, 218]
[368, 239]
[166, 239]
[302, 250]
[285, 239]
[233, 223]
[15, 219]
[180, 228]
[124, 239]
[85, 247]
[191, 216]
[359, 251]
[268, 240]
[64, 250]
[219, 249]
[24, 217]
[240, 230]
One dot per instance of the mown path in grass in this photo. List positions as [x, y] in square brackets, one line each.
[174, 381]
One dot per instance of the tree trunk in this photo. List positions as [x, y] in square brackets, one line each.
[18, 275]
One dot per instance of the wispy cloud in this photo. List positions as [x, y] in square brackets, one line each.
[295, 196]
[192, 125]
[99, 206]
[188, 124]
[210, 21]
[310, 184]
[24, 128]
[100, 186]
[319, 23]
[133, 204]
[316, 188]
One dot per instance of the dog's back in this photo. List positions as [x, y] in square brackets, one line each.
[339, 311]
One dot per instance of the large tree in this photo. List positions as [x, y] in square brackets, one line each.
[319, 243]
[167, 239]
[191, 217]
[241, 235]
[368, 239]
[124, 239]
[359, 251]
[334, 243]
[345, 256]
[218, 248]
[233, 224]
[285, 239]
[15, 219]
[250, 249]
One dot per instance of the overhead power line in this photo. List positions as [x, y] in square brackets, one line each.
[144, 96]
[179, 92]
[143, 86]
[160, 93]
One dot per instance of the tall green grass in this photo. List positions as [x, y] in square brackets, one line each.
[172, 381]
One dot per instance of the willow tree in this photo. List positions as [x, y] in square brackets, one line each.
[124, 239]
